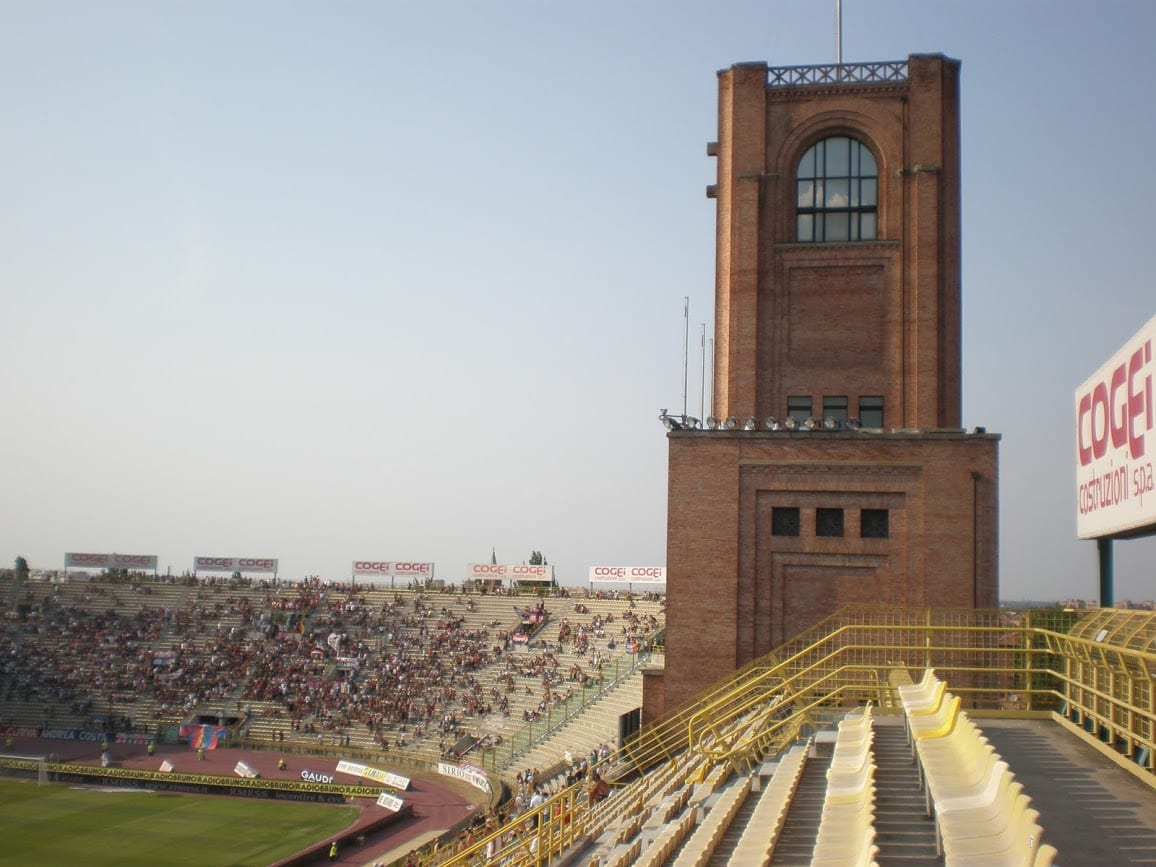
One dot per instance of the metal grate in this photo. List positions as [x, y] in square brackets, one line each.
[837, 73]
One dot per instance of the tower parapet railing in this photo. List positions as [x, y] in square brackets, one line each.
[838, 73]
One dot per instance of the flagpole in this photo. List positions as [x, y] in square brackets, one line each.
[838, 32]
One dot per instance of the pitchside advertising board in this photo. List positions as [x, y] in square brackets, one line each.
[235, 564]
[393, 569]
[110, 561]
[1116, 443]
[508, 572]
[628, 574]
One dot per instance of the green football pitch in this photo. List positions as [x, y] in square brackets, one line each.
[59, 824]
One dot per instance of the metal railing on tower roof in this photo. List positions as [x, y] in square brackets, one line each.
[837, 73]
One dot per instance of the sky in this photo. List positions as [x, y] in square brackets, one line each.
[406, 281]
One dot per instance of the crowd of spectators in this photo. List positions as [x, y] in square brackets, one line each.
[325, 659]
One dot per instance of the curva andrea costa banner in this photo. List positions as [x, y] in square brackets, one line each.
[110, 561]
[1116, 442]
[393, 569]
[235, 564]
[628, 574]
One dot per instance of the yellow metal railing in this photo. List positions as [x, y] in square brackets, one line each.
[1095, 668]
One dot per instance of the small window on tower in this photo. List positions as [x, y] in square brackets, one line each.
[835, 408]
[799, 408]
[828, 522]
[871, 411]
[874, 524]
[784, 521]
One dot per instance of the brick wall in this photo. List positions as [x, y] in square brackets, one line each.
[735, 590]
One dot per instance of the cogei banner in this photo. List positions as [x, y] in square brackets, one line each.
[628, 574]
[508, 571]
[110, 561]
[393, 569]
[235, 564]
[1115, 442]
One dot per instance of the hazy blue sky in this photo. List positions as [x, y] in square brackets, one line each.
[405, 280]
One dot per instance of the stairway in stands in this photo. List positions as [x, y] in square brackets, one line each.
[797, 841]
[730, 839]
[903, 832]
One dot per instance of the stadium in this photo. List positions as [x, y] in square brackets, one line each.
[848, 693]
[746, 767]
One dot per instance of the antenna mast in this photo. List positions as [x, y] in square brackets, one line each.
[685, 347]
[702, 381]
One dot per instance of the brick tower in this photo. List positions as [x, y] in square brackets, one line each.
[835, 469]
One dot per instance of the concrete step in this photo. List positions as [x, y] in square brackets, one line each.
[796, 843]
[903, 831]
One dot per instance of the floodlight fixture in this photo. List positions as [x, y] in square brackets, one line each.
[751, 423]
[670, 421]
[791, 423]
[811, 423]
[831, 423]
[853, 424]
[690, 422]
[731, 423]
[712, 422]
[770, 423]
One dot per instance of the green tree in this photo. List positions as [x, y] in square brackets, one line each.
[536, 559]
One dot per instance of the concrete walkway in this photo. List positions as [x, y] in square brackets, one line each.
[1094, 812]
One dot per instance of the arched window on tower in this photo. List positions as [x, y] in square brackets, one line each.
[837, 192]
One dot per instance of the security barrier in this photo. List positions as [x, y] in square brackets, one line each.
[204, 784]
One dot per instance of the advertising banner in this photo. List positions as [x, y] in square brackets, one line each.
[393, 569]
[246, 770]
[376, 774]
[487, 572]
[1116, 442]
[511, 571]
[88, 561]
[110, 561]
[389, 802]
[522, 572]
[235, 564]
[471, 775]
[628, 574]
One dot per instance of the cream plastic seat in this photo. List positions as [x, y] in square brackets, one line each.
[918, 692]
[858, 851]
[1014, 842]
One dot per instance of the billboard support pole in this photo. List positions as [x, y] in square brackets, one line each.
[1107, 597]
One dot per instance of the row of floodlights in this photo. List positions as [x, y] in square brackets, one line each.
[688, 422]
